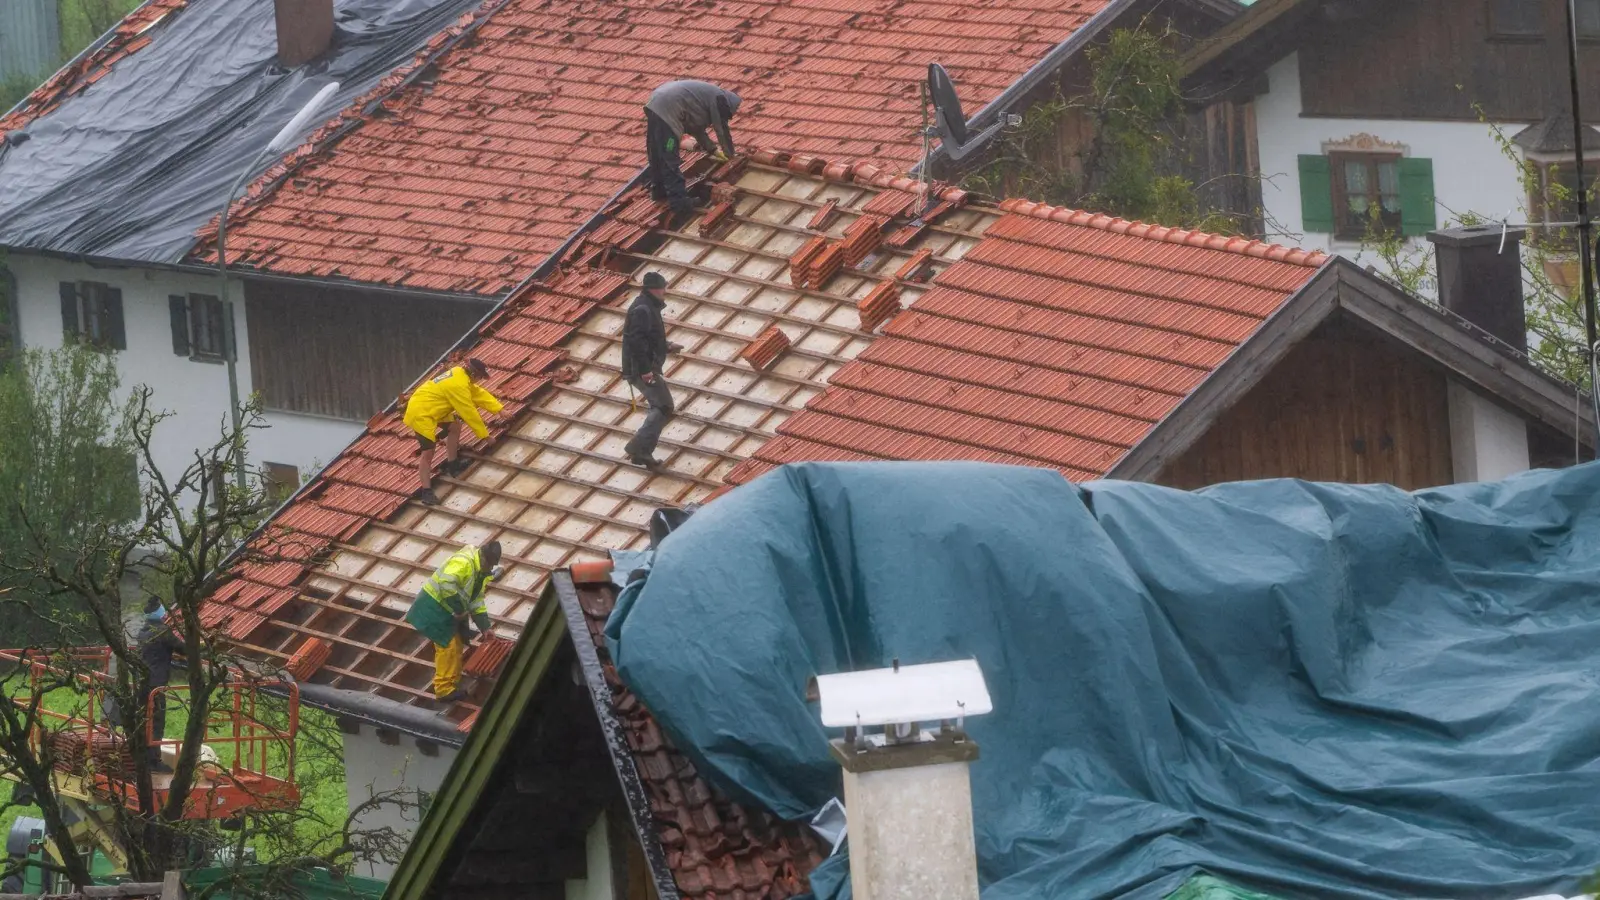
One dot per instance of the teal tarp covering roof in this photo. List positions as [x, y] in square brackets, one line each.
[1313, 690]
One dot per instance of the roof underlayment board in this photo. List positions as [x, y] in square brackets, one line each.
[1045, 336]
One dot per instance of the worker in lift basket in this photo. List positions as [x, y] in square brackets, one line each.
[447, 608]
[438, 403]
[675, 109]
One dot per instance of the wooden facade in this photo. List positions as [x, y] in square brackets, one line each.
[1347, 404]
[1434, 59]
[345, 354]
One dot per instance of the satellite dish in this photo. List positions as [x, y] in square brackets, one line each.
[951, 124]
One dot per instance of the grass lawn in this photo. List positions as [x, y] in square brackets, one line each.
[319, 767]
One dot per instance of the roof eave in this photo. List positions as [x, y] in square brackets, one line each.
[494, 730]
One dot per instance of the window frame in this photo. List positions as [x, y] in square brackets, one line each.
[280, 481]
[1546, 225]
[199, 305]
[1344, 229]
[92, 301]
[1496, 33]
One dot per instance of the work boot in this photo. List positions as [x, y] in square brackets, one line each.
[426, 497]
[456, 467]
[454, 696]
[645, 462]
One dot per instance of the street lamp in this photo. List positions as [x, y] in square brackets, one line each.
[277, 145]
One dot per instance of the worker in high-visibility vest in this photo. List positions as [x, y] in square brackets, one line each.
[434, 406]
[447, 603]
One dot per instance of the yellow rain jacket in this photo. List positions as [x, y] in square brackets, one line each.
[446, 397]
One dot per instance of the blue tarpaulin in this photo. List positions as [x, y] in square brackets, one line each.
[1308, 689]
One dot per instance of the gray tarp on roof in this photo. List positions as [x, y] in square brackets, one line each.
[136, 164]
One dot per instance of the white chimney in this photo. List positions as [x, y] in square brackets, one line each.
[907, 791]
[305, 30]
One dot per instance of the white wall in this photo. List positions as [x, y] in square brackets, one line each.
[1470, 173]
[195, 392]
[597, 883]
[1487, 441]
[372, 767]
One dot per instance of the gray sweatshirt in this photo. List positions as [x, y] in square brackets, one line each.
[690, 107]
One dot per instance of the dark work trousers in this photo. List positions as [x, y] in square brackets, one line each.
[666, 165]
[661, 410]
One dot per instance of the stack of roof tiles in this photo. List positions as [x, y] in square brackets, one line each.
[714, 846]
[464, 180]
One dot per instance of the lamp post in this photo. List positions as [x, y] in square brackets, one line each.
[1585, 224]
[278, 144]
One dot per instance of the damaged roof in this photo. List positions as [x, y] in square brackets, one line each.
[465, 180]
[1033, 335]
[126, 152]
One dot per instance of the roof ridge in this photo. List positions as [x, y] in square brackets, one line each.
[1166, 233]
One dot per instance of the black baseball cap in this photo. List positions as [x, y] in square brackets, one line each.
[477, 368]
[654, 281]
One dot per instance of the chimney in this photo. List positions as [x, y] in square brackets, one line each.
[1481, 282]
[907, 791]
[305, 30]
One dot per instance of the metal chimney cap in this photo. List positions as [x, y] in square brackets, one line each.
[904, 695]
[1476, 235]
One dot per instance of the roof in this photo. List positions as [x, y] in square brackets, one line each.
[1073, 332]
[130, 148]
[1254, 39]
[1553, 135]
[696, 841]
[464, 181]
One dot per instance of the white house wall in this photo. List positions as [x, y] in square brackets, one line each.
[195, 392]
[1470, 172]
[373, 767]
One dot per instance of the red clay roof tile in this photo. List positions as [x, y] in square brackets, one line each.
[476, 173]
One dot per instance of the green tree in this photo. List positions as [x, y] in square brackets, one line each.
[66, 454]
[185, 525]
[1131, 114]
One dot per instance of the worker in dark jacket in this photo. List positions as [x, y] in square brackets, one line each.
[157, 644]
[644, 353]
[680, 108]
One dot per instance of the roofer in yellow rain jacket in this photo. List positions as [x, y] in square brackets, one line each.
[449, 605]
[438, 403]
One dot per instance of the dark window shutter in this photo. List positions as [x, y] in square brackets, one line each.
[1417, 213]
[1316, 194]
[111, 331]
[178, 313]
[69, 308]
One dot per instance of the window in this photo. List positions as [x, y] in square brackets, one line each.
[1557, 199]
[1351, 195]
[1517, 19]
[1366, 194]
[1589, 19]
[281, 481]
[198, 330]
[91, 312]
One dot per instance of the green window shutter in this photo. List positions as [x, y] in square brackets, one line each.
[113, 334]
[1417, 214]
[1316, 194]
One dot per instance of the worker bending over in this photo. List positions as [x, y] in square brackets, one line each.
[675, 109]
[438, 403]
[447, 607]
[644, 354]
